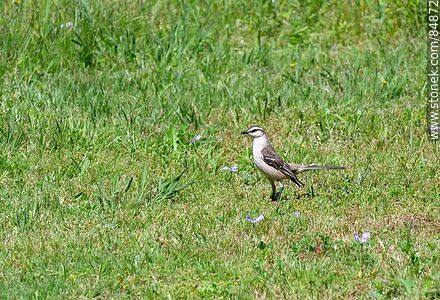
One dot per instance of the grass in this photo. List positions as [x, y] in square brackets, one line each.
[102, 195]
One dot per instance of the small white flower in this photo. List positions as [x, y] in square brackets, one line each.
[363, 239]
[256, 220]
[67, 25]
[195, 139]
[297, 214]
[233, 168]
[137, 260]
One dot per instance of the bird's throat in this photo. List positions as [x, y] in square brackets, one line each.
[259, 143]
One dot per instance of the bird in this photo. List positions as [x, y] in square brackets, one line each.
[270, 163]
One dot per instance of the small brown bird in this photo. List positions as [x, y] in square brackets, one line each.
[273, 166]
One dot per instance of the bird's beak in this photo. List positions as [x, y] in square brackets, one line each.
[244, 132]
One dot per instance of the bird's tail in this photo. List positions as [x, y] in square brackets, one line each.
[302, 168]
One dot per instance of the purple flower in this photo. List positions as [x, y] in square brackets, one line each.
[195, 139]
[363, 239]
[256, 220]
[233, 168]
[296, 214]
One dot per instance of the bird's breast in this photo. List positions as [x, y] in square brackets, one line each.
[258, 160]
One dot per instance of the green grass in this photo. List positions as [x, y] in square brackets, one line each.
[102, 195]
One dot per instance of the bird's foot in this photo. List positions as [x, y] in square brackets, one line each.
[276, 196]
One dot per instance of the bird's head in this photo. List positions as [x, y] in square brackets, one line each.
[254, 132]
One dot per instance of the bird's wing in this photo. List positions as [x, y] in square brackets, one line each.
[271, 158]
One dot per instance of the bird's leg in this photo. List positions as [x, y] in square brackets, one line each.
[274, 191]
[281, 190]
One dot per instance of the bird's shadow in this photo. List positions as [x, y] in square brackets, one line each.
[298, 195]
